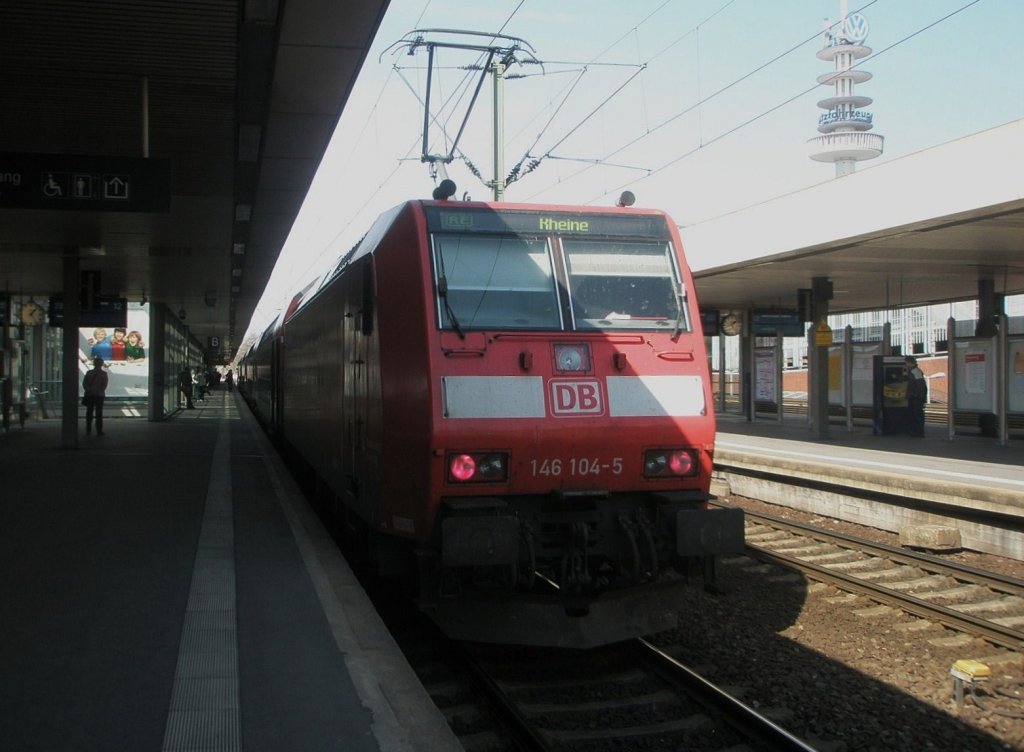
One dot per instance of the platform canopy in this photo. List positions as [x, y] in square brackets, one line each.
[929, 227]
[167, 145]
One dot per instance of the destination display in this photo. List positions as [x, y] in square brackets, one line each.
[455, 218]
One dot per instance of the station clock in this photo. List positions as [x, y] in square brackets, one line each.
[32, 314]
[731, 325]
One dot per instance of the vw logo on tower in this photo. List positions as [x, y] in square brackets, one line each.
[855, 28]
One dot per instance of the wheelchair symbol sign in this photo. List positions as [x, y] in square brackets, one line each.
[55, 185]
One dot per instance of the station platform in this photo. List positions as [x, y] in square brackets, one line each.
[165, 587]
[970, 481]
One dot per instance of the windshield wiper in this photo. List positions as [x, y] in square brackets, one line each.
[680, 307]
[442, 292]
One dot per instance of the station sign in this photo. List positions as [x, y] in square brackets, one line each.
[777, 323]
[108, 310]
[710, 322]
[84, 183]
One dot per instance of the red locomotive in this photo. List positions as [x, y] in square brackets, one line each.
[513, 404]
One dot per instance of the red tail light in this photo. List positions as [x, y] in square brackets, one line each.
[477, 467]
[670, 463]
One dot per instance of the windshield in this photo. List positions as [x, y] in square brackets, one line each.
[493, 276]
[623, 285]
[487, 281]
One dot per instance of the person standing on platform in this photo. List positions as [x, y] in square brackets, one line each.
[185, 387]
[200, 385]
[95, 386]
[917, 395]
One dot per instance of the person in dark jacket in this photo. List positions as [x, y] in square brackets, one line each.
[917, 395]
[185, 387]
[95, 385]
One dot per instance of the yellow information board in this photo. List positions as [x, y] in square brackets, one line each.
[822, 334]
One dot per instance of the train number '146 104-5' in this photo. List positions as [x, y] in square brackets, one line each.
[575, 466]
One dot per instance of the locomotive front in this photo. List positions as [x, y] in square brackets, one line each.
[572, 428]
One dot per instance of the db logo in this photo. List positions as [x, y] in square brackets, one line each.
[576, 398]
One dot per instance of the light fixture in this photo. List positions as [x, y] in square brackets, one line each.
[261, 11]
[249, 135]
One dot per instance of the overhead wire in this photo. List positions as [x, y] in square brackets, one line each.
[515, 173]
[778, 106]
[640, 68]
[329, 246]
[701, 101]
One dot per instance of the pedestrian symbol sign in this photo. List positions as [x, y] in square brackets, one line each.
[84, 186]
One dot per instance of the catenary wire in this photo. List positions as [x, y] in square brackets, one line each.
[772, 109]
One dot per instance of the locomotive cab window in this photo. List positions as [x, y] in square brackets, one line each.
[619, 285]
[495, 281]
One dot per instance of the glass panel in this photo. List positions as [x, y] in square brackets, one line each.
[496, 282]
[615, 285]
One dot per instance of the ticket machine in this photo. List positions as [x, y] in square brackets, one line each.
[891, 409]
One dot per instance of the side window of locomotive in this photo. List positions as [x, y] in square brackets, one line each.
[620, 285]
[494, 282]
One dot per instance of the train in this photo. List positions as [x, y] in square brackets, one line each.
[509, 408]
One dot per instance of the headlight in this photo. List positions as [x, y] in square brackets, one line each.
[572, 358]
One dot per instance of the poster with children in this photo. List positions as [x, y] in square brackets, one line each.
[124, 352]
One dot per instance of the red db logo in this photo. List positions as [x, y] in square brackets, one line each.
[576, 398]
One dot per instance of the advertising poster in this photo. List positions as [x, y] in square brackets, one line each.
[765, 375]
[975, 375]
[125, 354]
[1015, 377]
[836, 394]
[863, 374]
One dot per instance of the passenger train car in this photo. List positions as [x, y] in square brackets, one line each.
[511, 404]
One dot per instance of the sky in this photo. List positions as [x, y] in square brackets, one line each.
[699, 107]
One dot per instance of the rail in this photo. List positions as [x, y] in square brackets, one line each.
[883, 592]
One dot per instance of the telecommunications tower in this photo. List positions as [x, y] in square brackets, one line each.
[845, 140]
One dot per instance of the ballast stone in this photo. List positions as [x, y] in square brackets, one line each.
[931, 537]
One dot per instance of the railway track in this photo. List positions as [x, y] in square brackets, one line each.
[631, 695]
[618, 697]
[970, 600]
